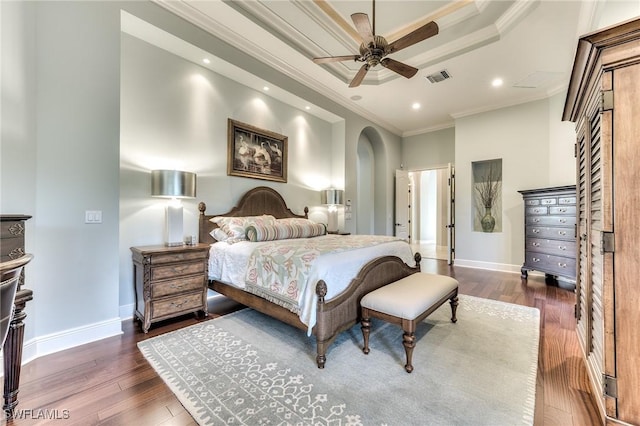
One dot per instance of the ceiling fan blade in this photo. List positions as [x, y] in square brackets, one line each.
[360, 76]
[361, 21]
[416, 36]
[336, 59]
[402, 69]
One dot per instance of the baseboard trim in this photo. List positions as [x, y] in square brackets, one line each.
[491, 266]
[126, 311]
[67, 339]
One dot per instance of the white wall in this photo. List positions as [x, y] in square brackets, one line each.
[429, 150]
[63, 102]
[524, 137]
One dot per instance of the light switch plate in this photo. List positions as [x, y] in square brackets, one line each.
[93, 216]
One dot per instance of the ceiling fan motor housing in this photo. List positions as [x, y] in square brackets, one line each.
[375, 51]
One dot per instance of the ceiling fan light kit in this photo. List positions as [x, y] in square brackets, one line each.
[375, 48]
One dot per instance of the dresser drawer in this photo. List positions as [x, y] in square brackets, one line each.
[171, 306]
[551, 220]
[555, 265]
[558, 233]
[567, 200]
[176, 286]
[568, 210]
[555, 247]
[536, 210]
[177, 270]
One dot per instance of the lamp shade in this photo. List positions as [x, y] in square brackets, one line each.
[173, 184]
[332, 197]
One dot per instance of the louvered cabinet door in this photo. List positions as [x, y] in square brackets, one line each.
[626, 221]
[592, 179]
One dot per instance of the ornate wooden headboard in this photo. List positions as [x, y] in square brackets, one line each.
[257, 201]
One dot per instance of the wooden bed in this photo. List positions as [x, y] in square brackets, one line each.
[333, 316]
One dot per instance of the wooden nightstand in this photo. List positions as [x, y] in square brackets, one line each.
[169, 281]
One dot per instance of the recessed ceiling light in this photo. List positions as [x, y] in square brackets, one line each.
[307, 107]
[265, 88]
[355, 97]
[497, 82]
[416, 105]
[206, 61]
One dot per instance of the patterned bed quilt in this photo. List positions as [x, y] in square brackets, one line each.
[286, 272]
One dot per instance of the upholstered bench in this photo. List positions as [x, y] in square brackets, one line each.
[408, 302]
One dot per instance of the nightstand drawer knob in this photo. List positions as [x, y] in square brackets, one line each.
[177, 304]
[535, 259]
[562, 265]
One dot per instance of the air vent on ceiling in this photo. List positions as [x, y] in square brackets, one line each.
[438, 76]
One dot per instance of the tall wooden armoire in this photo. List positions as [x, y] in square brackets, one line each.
[604, 102]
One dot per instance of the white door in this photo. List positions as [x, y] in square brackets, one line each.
[451, 214]
[403, 205]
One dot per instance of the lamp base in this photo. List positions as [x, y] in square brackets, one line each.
[173, 244]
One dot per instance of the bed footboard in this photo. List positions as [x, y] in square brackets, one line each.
[343, 311]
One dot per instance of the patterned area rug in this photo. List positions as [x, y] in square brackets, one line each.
[248, 369]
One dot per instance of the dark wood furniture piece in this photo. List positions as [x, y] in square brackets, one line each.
[169, 281]
[12, 232]
[604, 102]
[550, 232]
[333, 316]
[407, 303]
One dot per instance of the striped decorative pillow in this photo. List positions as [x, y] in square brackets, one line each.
[236, 227]
[284, 231]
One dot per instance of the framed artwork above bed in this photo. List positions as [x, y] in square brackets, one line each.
[256, 153]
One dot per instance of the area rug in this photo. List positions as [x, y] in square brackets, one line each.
[248, 369]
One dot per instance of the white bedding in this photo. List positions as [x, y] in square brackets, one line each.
[228, 263]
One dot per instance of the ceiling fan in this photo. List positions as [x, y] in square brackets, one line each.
[375, 48]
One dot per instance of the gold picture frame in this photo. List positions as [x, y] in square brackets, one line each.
[256, 153]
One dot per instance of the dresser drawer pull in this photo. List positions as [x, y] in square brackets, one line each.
[535, 244]
[535, 259]
[562, 265]
[537, 210]
[562, 247]
[535, 230]
[535, 219]
[562, 232]
[176, 286]
[547, 201]
[562, 210]
[563, 220]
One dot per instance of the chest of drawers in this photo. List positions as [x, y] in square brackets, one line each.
[169, 281]
[550, 231]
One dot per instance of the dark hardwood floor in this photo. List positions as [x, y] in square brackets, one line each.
[110, 383]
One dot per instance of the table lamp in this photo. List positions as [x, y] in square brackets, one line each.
[176, 185]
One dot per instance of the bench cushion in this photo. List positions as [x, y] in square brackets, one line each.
[411, 296]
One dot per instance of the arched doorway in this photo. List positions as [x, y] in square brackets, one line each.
[371, 209]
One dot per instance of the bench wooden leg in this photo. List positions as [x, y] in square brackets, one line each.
[454, 308]
[409, 341]
[366, 329]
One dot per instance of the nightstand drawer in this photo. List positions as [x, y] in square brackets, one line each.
[176, 270]
[184, 256]
[181, 285]
[174, 305]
